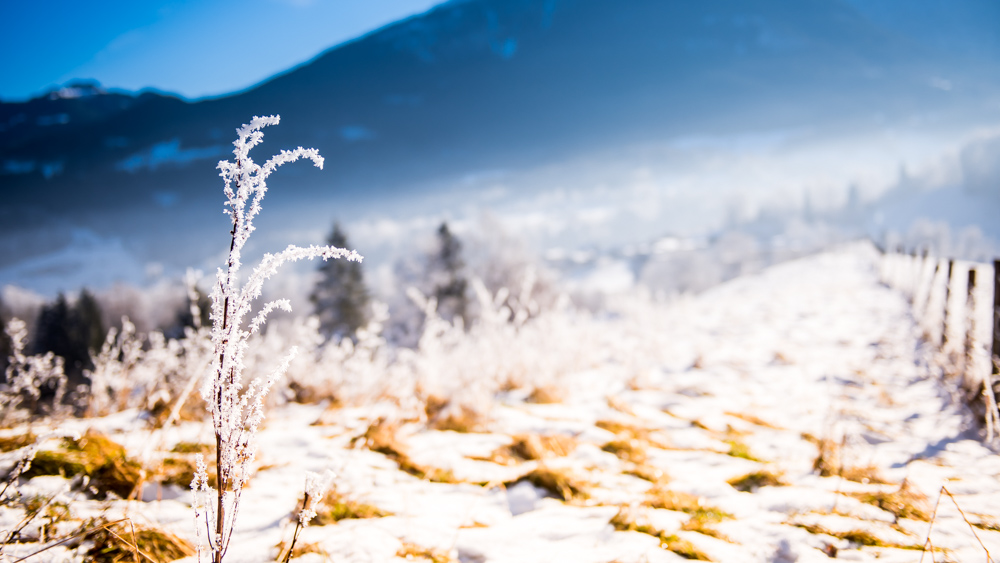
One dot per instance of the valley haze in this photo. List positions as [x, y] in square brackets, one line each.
[576, 126]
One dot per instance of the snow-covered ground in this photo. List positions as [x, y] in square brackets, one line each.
[758, 374]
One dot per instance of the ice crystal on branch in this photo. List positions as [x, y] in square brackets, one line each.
[238, 409]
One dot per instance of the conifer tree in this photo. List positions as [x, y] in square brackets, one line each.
[72, 332]
[92, 331]
[340, 298]
[447, 276]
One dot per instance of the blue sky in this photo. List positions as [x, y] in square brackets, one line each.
[193, 48]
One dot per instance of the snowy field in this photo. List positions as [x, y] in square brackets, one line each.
[792, 415]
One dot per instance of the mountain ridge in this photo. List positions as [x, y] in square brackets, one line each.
[483, 84]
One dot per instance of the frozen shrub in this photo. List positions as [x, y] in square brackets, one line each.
[111, 379]
[237, 409]
[27, 376]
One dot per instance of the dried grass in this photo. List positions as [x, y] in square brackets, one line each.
[752, 481]
[114, 544]
[300, 549]
[105, 463]
[380, 437]
[650, 473]
[179, 470]
[631, 450]
[442, 415]
[902, 503]
[336, 506]
[532, 447]
[16, 442]
[626, 520]
[701, 522]
[739, 449]
[859, 537]
[193, 409]
[634, 431]
[829, 462]
[546, 395]
[192, 448]
[560, 482]
[619, 404]
[986, 523]
[414, 552]
[663, 498]
[752, 419]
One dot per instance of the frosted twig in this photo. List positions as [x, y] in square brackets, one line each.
[237, 410]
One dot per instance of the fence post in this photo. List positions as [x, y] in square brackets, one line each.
[929, 291]
[995, 349]
[989, 388]
[970, 315]
[947, 299]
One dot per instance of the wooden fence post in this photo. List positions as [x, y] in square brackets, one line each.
[929, 291]
[947, 299]
[995, 349]
[970, 315]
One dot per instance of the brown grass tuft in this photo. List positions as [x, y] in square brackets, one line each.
[546, 395]
[16, 442]
[633, 431]
[560, 482]
[192, 448]
[868, 474]
[701, 522]
[465, 420]
[829, 462]
[739, 449]
[301, 549]
[654, 475]
[114, 544]
[533, 447]
[752, 419]
[335, 507]
[619, 404]
[414, 552]
[661, 497]
[433, 405]
[380, 437]
[986, 523]
[859, 537]
[630, 450]
[105, 463]
[626, 520]
[902, 503]
[179, 470]
[757, 479]
[193, 409]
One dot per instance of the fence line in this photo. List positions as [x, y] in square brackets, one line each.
[959, 312]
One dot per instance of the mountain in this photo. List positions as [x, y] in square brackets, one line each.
[480, 85]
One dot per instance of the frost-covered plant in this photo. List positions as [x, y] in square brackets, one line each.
[316, 488]
[110, 380]
[238, 409]
[351, 371]
[27, 375]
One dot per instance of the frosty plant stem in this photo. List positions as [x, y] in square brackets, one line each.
[237, 412]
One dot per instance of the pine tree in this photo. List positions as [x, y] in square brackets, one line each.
[72, 332]
[89, 322]
[446, 273]
[340, 297]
